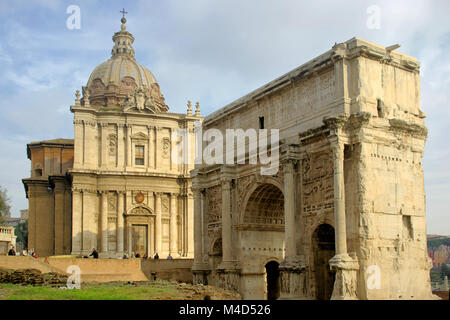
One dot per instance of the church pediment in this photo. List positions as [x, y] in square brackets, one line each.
[140, 211]
[139, 135]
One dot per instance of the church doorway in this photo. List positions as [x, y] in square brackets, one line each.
[139, 238]
[273, 280]
[140, 232]
[324, 250]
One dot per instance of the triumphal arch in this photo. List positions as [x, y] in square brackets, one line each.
[343, 214]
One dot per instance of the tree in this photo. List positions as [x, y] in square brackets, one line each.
[21, 231]
[4, 205]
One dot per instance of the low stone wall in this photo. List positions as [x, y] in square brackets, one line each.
[101, 270]
[107, 270]
[32, 277]
[173, 270]
[27, 262]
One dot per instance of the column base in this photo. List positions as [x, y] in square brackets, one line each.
[228, 275]
[345, 283]
[293, 278]
[200, 274]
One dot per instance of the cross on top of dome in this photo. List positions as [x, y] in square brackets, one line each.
[123, 20]
[123, 40]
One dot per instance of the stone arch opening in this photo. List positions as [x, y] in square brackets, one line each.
[323, 251]
[216, 252]
[272, 280]
[265, 206]
[261, 241]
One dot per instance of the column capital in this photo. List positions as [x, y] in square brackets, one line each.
[226, 183]
[289, 153]
[197, 193]
[289, 162]
[335, 123]
[103, 124]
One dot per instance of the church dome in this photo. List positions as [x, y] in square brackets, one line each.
[116, 69]
[114, 81]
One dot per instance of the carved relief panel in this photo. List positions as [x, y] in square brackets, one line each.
[112, 203]
[243, 186]
[165, 148]
[214, 205]
[318, 182]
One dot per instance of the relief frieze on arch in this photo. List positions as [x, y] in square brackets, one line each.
[317, 182]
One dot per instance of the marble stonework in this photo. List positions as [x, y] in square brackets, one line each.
[344, 217]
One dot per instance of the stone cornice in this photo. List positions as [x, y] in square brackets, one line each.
[122, 174]
[408, 128]
[130, 114]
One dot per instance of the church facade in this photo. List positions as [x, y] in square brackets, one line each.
[344, 215]
[122, 191]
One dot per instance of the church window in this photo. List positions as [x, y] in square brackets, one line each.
[139, 156]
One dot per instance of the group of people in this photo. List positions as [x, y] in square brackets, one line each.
[94, 254]
[29, 252]
[137, 255]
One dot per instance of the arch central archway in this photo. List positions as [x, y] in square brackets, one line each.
[261, 241]
[265, 206]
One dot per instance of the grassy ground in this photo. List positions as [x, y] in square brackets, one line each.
[157, 290]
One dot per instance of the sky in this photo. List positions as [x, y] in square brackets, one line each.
[208, 51]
